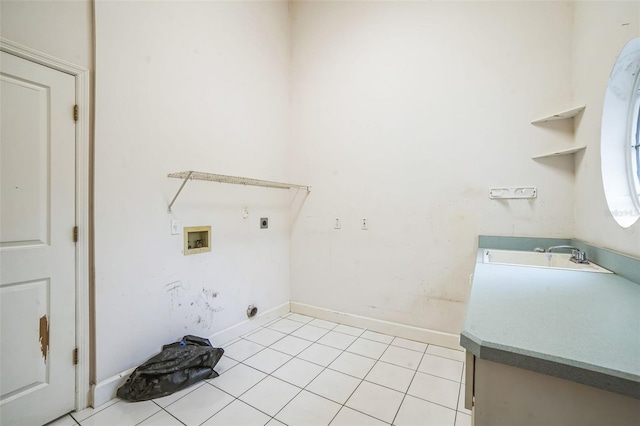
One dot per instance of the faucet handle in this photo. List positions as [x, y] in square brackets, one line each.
[539, 250]
[579, 255]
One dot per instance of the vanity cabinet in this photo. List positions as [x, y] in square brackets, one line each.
[547, 346]
[500, 394]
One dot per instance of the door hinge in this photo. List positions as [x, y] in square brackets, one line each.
[75, 234]
[75, 356]
[76, 112]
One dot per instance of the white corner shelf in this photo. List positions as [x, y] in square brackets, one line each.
[563, 115]
[567, 151]
[237, 180]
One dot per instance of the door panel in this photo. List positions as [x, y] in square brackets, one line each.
[26, 368]
[37, 252]
[25, 168]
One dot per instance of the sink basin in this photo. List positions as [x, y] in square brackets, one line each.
[539, 260]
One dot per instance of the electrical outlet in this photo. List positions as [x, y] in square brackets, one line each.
[264, 222]
[175, 227]
[365, 224]
[336, 224]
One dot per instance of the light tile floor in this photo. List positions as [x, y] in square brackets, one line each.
[298, 370]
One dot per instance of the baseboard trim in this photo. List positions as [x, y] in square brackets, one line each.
[105, 390]
[228, 334]
[425, 335]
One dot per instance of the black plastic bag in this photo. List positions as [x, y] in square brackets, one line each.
[177, 367]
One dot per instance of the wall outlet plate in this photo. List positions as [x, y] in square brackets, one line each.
[175, 227]
[264, 222]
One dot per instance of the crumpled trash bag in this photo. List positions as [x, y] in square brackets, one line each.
[177, 367]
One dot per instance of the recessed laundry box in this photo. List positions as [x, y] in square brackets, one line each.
[197, 239]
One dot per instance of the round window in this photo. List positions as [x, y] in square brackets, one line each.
[620, 138]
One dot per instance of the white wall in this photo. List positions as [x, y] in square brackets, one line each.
[187, 86]
[403, 113]
[406, 113]
[62, 29]
[601, 30]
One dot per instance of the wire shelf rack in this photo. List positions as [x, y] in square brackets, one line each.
[236, 180]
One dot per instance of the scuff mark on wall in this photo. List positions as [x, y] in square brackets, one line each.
[196, 304]
[174, 288]
[44, 337]
[206, 309]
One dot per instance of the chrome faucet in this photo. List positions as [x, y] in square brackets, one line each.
[577, 255]
[551, 249]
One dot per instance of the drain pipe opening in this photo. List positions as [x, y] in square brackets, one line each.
[252, 311]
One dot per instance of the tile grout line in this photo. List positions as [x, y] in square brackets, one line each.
[207, 419]
[432, 402]
[301, 389]
[148, 417]
[327, 368]
[324, 368]
[225, 406]
[259, 330]
[276, 378]
[346, 334]
[409, 387]
[310, 381]
[455, 418]
[93, 414]
[439, 377]
[360, 336]
[360, 384]
[270, 374]
[369, 371]
[444, 357]
[222, 390]
[75, 422]
[180, 421]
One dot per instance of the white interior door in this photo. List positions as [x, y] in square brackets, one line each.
[37, 252]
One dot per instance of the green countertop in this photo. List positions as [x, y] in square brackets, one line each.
[575, 325]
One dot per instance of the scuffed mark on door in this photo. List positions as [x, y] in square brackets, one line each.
[44, 337]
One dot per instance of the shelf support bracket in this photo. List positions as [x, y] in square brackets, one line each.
[179, 190]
